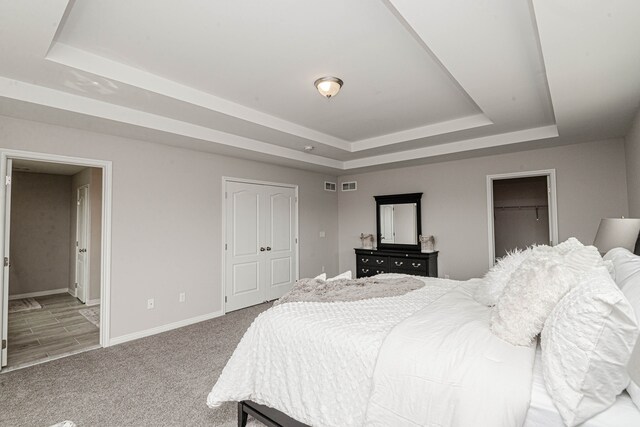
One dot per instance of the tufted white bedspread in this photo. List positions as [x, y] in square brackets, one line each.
[315, 361]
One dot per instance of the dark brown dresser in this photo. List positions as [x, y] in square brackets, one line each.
[370, 262]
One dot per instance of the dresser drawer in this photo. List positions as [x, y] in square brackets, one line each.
[408, 265]
[366, 271]
[371, 261]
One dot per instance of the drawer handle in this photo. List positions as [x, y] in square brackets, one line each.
[416, 265]
[399, 263]
[379, 271]
[379, 261]
[365, 270]
[365, 260]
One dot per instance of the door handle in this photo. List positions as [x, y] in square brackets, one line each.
[262, 249]
[268, 248]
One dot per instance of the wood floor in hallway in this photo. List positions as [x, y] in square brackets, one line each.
[48, 332]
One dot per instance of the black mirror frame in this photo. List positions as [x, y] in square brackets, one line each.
[399, 199]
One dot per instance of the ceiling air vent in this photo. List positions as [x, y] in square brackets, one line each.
[329, 186]
[349, 186]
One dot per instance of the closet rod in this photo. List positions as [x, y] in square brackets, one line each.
[522, 207]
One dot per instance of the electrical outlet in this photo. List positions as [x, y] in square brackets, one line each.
[446, 276]
[322, 234]
[181, 297]
[150, 304]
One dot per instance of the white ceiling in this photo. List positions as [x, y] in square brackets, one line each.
[30, 166]
[423, 80]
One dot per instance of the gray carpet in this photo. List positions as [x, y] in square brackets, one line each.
[161, 380]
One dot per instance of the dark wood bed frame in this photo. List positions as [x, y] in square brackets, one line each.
[266, 415]
[274, 418]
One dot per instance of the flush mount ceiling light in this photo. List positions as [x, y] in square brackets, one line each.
[328, 86]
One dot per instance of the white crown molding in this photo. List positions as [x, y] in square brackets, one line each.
[85, 61]
[448, 126]
[27, 92]
[47, 97]
[72, 57]
[456, 147]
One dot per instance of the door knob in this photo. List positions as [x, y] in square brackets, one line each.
[261, 249]
[268, 248]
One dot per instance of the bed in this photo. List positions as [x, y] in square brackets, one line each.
[338, 364]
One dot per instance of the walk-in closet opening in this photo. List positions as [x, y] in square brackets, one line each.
[522, 212]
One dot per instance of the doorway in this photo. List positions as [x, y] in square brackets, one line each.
[261, 241]
[55, 213]
[522, 211]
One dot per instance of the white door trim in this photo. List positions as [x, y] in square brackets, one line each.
[226, 179]
[107, 185]
[553, 205]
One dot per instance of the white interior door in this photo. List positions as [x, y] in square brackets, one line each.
[260, 257]
[82, 243]
[4, 289]
[244, 272]
[280, 251]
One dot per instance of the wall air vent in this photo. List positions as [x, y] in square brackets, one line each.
[329, 186]
[349, 186]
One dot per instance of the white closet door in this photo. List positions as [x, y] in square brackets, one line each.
[260, 258]
[4, 289]
[281, 246]
[244, 269]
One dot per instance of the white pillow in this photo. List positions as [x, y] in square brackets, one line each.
[533, 291]
[586, 343]
[627, 274]
[626, 266]
[498, 276]
[346, 275]
[322, 276]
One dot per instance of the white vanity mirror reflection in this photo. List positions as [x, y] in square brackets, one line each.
[398, 224]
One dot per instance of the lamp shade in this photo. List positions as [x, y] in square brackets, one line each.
[617, 233]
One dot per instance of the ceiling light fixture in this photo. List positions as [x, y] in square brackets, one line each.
[328, 86]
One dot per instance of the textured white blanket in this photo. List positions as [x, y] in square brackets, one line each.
[315, 361]
[442, 366]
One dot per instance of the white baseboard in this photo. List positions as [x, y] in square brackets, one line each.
[164, 328]
[39, 294]
[72, 292]
[91, 302]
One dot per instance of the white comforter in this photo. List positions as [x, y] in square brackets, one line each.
[442, 366]
[316, 362]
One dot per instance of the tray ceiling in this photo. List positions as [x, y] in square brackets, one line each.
[422, 79]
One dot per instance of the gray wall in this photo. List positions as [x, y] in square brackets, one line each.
[632, 148]
[166, 219]
[93, 178]
[40, 205]
[591, 181]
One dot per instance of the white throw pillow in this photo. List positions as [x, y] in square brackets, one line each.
[586, 343]
[498, 276]
[533, 291]
[322, 276]
[568, 245]
[346, 275]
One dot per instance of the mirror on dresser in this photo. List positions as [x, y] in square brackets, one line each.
[398, 251]
[398, 221]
